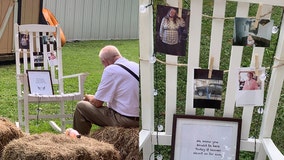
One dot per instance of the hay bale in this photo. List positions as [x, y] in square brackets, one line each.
[126, 140]
[47, 146]
[8, 132]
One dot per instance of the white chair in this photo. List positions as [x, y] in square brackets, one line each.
[38, 47]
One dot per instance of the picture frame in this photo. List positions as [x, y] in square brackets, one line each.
[40, 82]
[205, 137]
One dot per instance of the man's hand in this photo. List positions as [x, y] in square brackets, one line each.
[88, 97]
[93, 101]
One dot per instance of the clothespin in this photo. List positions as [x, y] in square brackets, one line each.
[179, 8]
[258, 14]
[256, 63]
[210, 67]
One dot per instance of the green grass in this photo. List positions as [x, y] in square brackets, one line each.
[78, 57]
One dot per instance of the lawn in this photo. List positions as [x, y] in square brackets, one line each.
[78, 57]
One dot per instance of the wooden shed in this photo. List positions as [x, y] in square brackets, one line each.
[11, 11]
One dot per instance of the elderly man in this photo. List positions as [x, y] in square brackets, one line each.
[118, 89]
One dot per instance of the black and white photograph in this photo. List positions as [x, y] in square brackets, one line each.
[38, 59]
[48, 39]
[171, 30]
[252, 32]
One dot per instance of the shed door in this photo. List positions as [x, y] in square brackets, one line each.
[6, 26]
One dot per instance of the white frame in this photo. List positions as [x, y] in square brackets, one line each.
[204, 137]
[40, 82]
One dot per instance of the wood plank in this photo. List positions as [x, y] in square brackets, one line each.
[248, 110]
[193, 51]
[271, 150]
[268, 2]
[146, 78]
[171, 85]
[216, 39]
[235, 62]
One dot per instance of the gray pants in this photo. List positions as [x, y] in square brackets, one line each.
[86, 114]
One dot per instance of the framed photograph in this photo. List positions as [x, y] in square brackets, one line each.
[208, 90]
[40, 82]
[205, 138]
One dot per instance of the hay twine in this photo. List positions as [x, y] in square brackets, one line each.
[126, 140]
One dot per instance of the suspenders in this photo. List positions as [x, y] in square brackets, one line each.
[127, 69]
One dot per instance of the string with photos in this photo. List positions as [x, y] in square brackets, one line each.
[46, 39]
[232, 18]
[153, 59]
[207, 16]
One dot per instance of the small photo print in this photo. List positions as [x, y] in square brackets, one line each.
[44, 39]
[24, 41]
[52, 58]
[38, 59]
[48, 39]
[250, 87]
[208, 91]
[252, 32]
[171, 30]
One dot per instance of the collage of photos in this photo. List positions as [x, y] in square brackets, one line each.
[38, 57]
[171, 30]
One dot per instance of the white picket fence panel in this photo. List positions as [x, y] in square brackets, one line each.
[148, 137]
